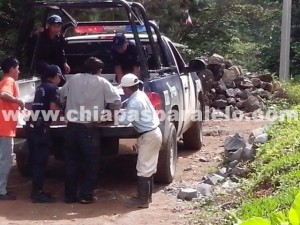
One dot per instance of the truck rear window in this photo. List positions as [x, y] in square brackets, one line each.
[78, 52]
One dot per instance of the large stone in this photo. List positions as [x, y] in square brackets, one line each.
[221, 96]
[217, 114]
[230, 93]
[238, 81]
[205, 189]
[255, 133]
[256, 82]
[262, 93]
[223, 172]
[248, 153]
[230, 185]
[230, 84]
[217, 70]
[187, 194]
[231, 101]
[267, 86]
[216, 59]
[235, 155]
[243, 94]
[251, 104]
[220, 103]
[245, 84]
[213, 179]
[266, 78]
[222, 85]
[234, 142]
[261, 139]
[280, 94]
[239, 105]
[239, 172]
[228, 76]
[206, 75]
[237, 71]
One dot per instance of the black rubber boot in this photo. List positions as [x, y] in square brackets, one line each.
[151, 180]
[141, 200]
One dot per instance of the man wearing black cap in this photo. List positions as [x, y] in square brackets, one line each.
[125, 57]
[46, 100]
[48, 46]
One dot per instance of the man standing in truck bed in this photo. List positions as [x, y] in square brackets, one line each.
[125, 57]
[48, 47]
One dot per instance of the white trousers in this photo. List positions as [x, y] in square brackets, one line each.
[148, 146]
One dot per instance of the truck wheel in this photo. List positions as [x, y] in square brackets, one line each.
[193, 137]
[22, 160]
[167, 158]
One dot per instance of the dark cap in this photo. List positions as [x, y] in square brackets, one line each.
[52, 70]
[54, 19]
[119, 40]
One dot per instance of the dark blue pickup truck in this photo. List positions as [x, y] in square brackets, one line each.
[172, 86]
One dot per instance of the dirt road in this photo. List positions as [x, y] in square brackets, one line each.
[116, 184]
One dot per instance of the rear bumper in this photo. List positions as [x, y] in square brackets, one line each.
[104, 131]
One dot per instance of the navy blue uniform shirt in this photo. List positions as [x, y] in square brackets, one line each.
[128, 59]
[46, 93]
[49, 51]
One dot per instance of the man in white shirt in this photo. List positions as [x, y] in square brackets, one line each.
[142, 115]
[87, 95]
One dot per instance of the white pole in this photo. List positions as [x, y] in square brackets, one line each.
[285, 41]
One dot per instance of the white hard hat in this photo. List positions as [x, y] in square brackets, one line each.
[129, 80]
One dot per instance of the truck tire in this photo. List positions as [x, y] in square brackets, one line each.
[167, 158]
[193, 137]
[22, 160]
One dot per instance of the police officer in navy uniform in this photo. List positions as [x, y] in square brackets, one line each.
[49, 47]
[125, 57]
[46, 99]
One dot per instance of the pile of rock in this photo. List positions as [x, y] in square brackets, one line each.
[228, 85]
[237, 150]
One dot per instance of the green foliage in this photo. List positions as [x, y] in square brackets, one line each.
[293, 90]
[277, 174]
[279, 218]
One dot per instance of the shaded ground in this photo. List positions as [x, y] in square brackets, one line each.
[116, 184]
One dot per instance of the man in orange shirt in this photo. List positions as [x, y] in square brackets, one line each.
[9, 103]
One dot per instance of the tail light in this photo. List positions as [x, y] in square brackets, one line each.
[155, 100]
[89, 29]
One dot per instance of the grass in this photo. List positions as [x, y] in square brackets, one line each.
[275, 181]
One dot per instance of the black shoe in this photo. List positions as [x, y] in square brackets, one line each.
[88, 199]
[8, 196]
[138, 202]
[142, 199]
[70, 200]
[41, 197]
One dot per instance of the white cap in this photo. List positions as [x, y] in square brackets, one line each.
[129, 80]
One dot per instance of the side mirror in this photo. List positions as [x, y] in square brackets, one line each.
[196, 65]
